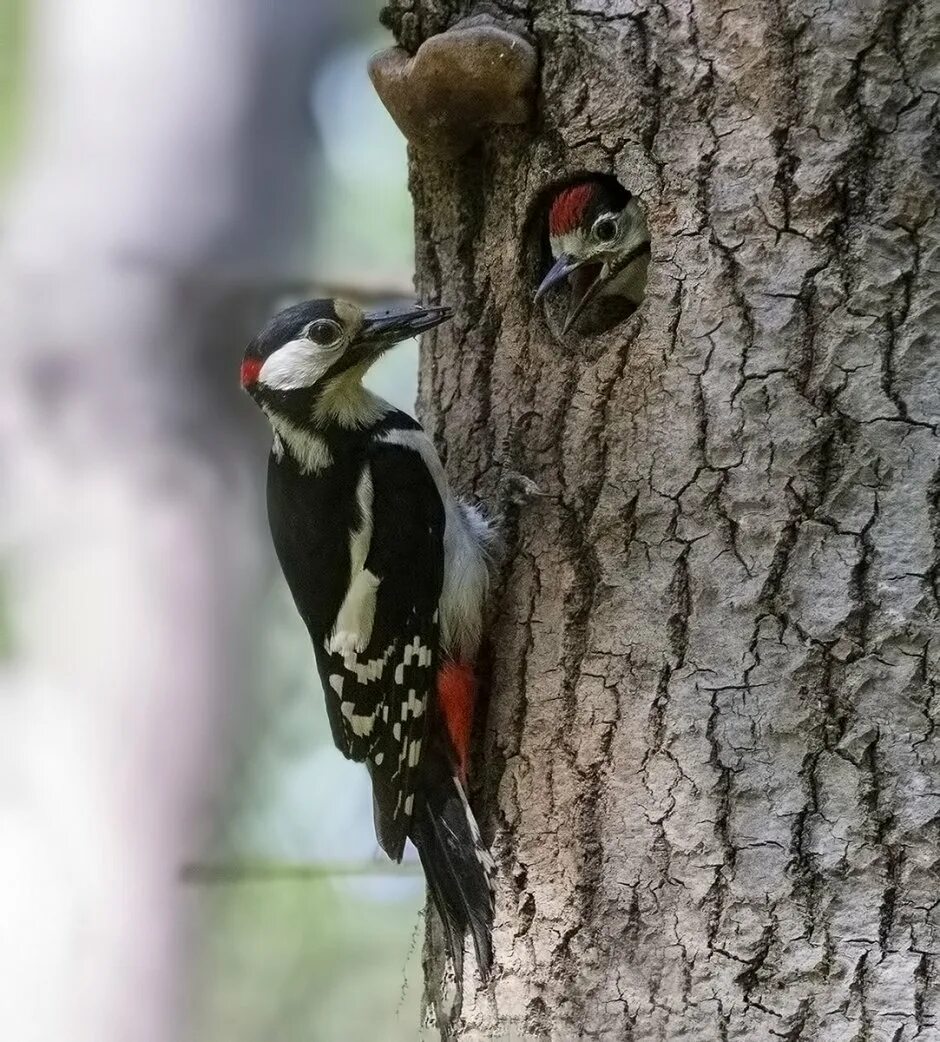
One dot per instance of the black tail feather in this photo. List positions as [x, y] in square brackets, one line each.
[457, 866]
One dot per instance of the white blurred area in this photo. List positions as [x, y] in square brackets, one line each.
[170, 171]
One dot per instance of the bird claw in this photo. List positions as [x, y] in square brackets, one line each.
[517, 490]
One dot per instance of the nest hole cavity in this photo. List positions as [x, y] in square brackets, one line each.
[588, 255]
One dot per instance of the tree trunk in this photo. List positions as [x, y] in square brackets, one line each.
[709, 770]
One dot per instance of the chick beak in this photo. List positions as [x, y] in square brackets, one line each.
[559, 271]
[584, 279]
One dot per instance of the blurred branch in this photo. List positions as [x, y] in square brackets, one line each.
[276, 871]
[267, 286]
[364, 291]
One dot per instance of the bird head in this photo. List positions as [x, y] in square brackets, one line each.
[596, 229]
[321, 344]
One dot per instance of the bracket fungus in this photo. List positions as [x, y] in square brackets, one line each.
[458, 83]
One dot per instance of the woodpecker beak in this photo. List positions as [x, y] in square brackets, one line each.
[560, 270]
[384, 328]
[585, 281]
[585, 278]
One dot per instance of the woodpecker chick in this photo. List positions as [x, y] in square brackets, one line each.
[389, 572]
[601, 246]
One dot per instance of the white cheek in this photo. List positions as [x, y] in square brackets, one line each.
[297, 364]
[569, 244]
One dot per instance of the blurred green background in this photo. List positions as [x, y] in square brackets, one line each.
[312, 934]
[334, 952]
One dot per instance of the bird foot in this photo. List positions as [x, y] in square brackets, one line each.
[517, 490]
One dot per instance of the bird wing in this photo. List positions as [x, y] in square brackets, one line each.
[378, 699]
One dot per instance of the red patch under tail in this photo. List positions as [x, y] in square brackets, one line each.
[456, 694]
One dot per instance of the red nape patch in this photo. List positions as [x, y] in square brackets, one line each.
[456, 693]
[569, 207]
[251, 367]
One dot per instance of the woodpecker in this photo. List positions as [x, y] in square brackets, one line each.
[389, 572]
[601, 245]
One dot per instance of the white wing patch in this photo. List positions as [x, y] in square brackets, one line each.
[361, 539]
[353, 627]
[361, 723]
[415, 704]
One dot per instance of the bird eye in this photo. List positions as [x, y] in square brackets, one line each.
[605, 230]
[324, 332]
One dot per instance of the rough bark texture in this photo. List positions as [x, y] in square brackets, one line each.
[709, 769]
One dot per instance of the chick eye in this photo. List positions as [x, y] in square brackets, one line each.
[605, 230]
[323, 332]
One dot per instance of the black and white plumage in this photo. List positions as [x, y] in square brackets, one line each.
[389, 573]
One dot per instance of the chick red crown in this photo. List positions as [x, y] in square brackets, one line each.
[570, 206]
[577, 205]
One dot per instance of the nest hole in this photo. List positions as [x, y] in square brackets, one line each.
[591, 230]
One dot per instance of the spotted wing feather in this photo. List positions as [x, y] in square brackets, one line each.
[377, 699]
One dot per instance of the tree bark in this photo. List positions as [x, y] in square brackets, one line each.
[710, 769]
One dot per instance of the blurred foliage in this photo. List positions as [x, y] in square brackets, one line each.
[12, 52]
[306, 961]
[6, 629]
[364, 233]
[12, 62]
[315, 959]
[329, 958]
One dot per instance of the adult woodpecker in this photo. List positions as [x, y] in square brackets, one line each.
[601, 245]
[389, 572]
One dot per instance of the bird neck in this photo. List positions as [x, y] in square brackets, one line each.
[344, 403]
[627, 277]
[312, 427]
